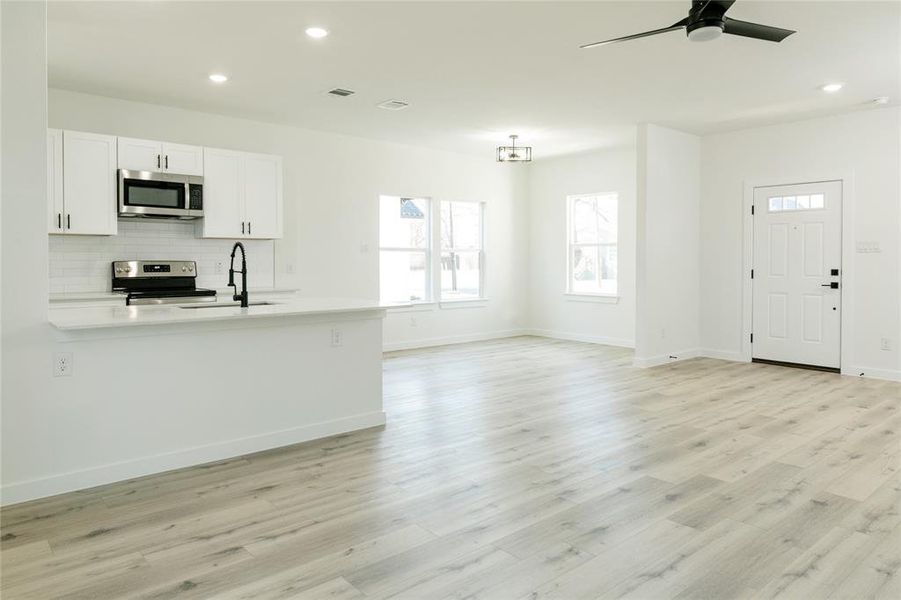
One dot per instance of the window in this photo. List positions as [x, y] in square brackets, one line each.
[591, 244]
[461, 251]
[783, 203]
[404, 249]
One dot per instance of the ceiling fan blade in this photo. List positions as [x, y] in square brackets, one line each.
[755, 30]
[635, 36]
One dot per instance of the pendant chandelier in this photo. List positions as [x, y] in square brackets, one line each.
[512, 153]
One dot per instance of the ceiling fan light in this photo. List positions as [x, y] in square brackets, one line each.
[705, 33]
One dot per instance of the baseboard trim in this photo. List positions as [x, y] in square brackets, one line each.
[722, 354]
[451, 339]
[663, 359]
[887, 374]
[33, 489]
[577, 337]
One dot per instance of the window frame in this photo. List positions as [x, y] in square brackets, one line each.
[441, 251]
[427, 251]
[570, 244]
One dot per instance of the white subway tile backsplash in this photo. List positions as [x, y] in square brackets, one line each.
[82, 263]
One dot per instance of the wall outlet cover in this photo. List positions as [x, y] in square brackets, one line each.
[337, 337]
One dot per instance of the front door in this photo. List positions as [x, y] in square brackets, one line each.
[797, 273]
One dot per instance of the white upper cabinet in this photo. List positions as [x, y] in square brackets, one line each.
[88, 204]
[55, 208]
[242, 195]
[263, 196]
[181, 159]
[149, 155]
[223, 201]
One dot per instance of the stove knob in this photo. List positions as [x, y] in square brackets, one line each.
[127, 269]
[191, 267]
[184, 269]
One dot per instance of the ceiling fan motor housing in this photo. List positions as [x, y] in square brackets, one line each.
[704, 30]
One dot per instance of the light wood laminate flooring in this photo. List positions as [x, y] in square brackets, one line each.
[523, 468]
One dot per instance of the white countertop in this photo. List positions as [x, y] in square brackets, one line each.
[99, 317]
[62, 297]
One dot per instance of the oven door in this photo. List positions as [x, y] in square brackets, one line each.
[148, 194]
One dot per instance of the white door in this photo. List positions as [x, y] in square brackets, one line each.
[89, 183]
[181, 159]
[140, 155]
[797, 273]
[262, 195]
[223, 194]
[55, 208]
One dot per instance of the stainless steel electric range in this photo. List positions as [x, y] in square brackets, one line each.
[158, 282]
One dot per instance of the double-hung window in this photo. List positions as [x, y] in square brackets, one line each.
[591, 244]
[461, 250]
[405, 246]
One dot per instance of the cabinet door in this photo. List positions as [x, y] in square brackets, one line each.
[140, 155]
[263, 196]
[223, 193]
[89, 183]
[181, 159]
[55, 208]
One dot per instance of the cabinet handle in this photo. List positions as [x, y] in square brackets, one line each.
[248, 228]
[59, 220]
[68, 221]
[157, 161]
[242, 227]
[167, 162]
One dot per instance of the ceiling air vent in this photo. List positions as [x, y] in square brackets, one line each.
[341, 92]
[393, 105]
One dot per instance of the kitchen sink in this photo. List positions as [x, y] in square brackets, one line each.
[225, 305]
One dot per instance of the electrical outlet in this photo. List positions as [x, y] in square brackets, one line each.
[62, 364]
[289, 268]
[337, 337]
[220, 267]
[885, 344]
[413, 322]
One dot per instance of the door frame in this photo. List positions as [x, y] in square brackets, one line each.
[847, 277]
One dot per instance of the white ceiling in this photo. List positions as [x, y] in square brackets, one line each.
[477, 71]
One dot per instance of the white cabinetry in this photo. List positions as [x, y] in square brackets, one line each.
[242, 195]
[81, 183]
[149, 155]
[55, 208]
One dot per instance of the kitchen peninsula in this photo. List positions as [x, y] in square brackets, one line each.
[189, 386]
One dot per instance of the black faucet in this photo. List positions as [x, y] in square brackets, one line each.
[231, 275]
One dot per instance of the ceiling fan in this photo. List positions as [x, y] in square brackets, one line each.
[706, 21]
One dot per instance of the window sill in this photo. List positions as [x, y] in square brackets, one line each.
[473, 303]
[414, 307]
[598, 298]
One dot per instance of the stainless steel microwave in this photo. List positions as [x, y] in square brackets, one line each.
[164, 195]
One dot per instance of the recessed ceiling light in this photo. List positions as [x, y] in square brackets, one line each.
[218, 78]
[880, 100]
[831, 88]
[317, 32]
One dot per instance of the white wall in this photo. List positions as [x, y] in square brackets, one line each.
[332, 184]
[551, 312]
[862, 144]
[667, 288]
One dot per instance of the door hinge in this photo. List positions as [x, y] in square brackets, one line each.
[752, 338]
[752, 273]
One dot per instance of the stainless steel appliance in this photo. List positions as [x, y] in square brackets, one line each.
[159, 282]
[150, 194]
